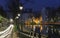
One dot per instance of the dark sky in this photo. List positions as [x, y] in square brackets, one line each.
[36, 5]
[39, 4]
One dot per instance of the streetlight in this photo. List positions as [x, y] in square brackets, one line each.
[18, 15]
[11, 21]
[21, 7]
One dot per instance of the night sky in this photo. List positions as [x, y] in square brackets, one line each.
[39, 4]
[36, 5]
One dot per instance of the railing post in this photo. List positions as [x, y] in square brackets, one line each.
[37, 35]
[30, 34]
[33, 34]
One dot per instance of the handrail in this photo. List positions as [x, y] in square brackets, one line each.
[7, 31]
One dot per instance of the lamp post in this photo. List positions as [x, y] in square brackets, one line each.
[21, 8]
[17, 22]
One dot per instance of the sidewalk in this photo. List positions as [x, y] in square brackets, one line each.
[15, 35]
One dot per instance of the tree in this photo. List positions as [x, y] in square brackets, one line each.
[13, 6]
[1, 19]
[2, 12]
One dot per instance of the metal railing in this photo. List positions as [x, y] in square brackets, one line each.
[31, 35]
[6, 33]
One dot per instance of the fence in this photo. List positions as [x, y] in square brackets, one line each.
[7, 33]
[31, 35]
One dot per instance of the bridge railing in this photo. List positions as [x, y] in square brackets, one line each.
[7, 32]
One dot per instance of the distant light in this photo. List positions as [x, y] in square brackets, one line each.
[20, 7]
[17, 17]
[11, 20]
[18, 14]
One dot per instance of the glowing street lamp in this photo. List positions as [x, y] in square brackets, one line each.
[11, 20]
[21, 7]
[18, 14]
[17, 17]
